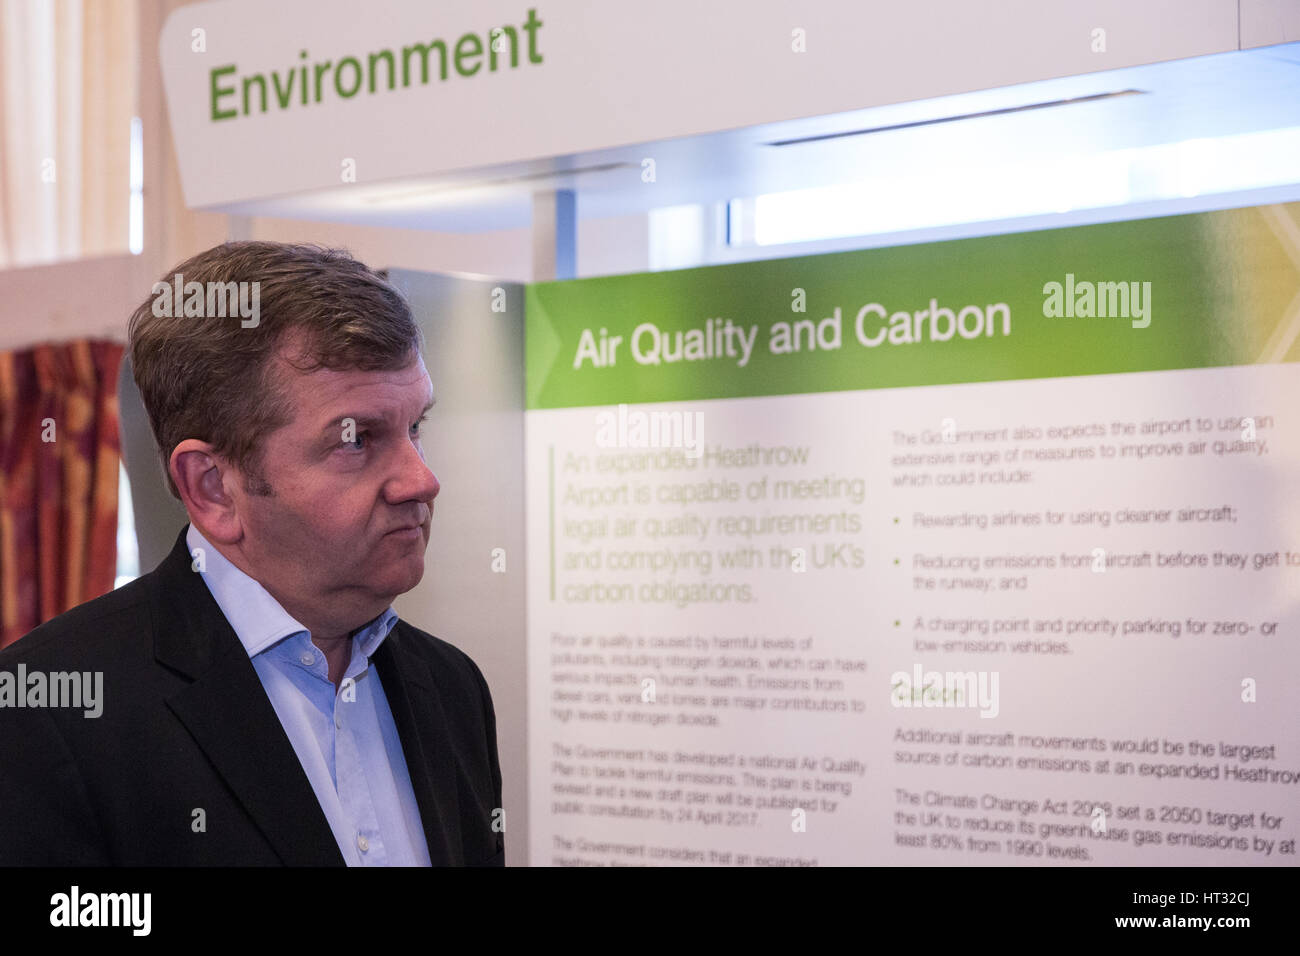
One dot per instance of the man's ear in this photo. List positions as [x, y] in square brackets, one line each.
[204, 480]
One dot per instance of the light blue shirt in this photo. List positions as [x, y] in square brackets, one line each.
[346, 741]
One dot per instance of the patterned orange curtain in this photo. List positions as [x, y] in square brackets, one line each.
[58, 480]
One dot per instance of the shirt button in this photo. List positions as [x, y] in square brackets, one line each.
[362, 843]
[307, 659]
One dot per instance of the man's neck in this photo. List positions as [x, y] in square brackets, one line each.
[309, 613]
[337, 651]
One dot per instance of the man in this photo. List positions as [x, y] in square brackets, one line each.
[261, 703]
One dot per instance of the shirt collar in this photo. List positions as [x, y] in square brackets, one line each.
[257, 618]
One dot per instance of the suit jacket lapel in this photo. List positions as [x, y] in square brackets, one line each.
[227, 712]
[422, 727]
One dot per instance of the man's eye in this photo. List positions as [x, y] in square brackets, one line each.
[358, 443]
[415, 429]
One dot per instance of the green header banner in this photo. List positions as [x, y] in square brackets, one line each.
[1176, 292]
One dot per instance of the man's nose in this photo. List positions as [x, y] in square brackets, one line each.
[414, 481]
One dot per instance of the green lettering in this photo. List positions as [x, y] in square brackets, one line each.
[531, 25]
[386, 55]
[320, 68]
[338, 77]
[260, 80]
[463, 54]
[217, 93]
[423, 49]
[492, 46]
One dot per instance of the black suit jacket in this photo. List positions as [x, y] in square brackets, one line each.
[187, 726]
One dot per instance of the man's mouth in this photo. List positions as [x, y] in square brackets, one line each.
[410, 530]
[407, 529]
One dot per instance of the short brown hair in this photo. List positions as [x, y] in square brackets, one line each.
[209, 377]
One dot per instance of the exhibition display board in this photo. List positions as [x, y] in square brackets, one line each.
[981, 551]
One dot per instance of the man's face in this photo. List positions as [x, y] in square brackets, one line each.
[346, 525]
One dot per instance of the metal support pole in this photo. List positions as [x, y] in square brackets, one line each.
[555, 235]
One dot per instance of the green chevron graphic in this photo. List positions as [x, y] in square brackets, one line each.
[1192, 291]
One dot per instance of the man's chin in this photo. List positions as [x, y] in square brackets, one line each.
[397, 564]
[405, 573]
